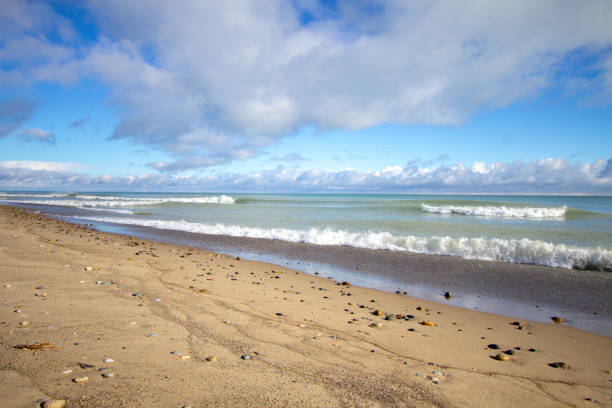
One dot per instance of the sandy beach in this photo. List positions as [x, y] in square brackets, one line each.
[104, 320]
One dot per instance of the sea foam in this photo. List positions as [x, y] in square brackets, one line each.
[524, 250]
[92, 201]
[493, 211]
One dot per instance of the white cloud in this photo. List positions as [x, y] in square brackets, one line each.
[545, 176]
[42, 166]
[206, 101]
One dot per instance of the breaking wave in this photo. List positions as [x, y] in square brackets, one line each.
[524, 250]
[493, 211]
[93, 201]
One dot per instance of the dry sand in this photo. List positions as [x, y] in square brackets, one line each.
[161, 312]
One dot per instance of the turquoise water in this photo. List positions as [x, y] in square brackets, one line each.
[565, 231]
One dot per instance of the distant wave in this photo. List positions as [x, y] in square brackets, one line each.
[31, 195]
[492, 211]
[514, 250]
[93, 201]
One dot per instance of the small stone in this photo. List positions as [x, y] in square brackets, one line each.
[203, 290]
[238, 258]
[88, 268]
[435, 380]
[108, 375]
[40, 287]
[427, 323]
[532, 350]
[557, 319]
[378, 312]
[279, 314]
[560, 364]
[152, 335]
[438, 373]
[80, 379]
[66, 371]
[53, 404]
[245, 356]
[420, 375]
[23, 323]
[493, 346]
[419, 308]
[447, 295]
[390, 317]
[108, 360]
[501, 357]
[175, 352]
[185, 357]
[516, 323]
[377, 325]
[136, 294]
[510, 352]
[211, 359]
[590, 399]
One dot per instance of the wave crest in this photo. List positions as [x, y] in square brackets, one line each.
[492, 249]
[493, 211]
[93, 201]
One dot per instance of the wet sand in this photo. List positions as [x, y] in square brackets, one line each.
[176, 321]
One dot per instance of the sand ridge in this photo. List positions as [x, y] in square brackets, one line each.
[177, 320]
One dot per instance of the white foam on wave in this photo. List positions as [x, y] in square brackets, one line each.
[28, 195]
[85, 201]
[493, 211]
[111, 210]
[494, 249]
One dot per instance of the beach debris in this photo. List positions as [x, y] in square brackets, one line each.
[300, 325]
[53, 404]
[378, 312]
[560, 364]
[37, 346]
[85, 365]
[108, 375]
[80, 379]
[557, 319]
[447, 295]
[245, 356]
[501, 357]
[493, 346]
[428, 323]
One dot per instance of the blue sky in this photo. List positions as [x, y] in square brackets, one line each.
[306, 95]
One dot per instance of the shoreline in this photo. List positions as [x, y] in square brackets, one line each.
[532, 292]
[309, 343]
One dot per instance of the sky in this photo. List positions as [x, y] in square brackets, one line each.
[392, 96]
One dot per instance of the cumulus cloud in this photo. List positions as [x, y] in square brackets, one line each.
[37, 135]
[544, 176]
[283, 65]
[41, 166]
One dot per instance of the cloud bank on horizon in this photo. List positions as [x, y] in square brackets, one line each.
[209, 83]
[545, 175]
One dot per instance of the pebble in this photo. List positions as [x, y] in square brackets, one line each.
[435, 380]
[88, 268]
[493, 346]
[510, 352]
[448, 295]
[377, 324]
[378, 312]
[108, 375]
[560, 364]
[175, 352]
[40, 287]
[245, 356]
[53, 404]
[501, 357]
[23, 323]
[185, 357]
[420, 375]
[152, 335]
[390, 317]
[80, 379]
[427, 323]
[211, 359]
[557, 319]
[66, 371]
[438, 373]
[108, 360]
